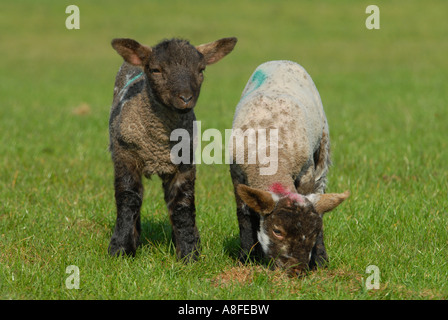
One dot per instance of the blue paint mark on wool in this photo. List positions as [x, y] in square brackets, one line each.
[132, 80]
[258, 79]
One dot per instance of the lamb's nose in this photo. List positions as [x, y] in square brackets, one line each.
[186, 98]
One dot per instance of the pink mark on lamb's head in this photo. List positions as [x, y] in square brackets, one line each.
[283, 192]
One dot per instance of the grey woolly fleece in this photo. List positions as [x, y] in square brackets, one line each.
[140, 128]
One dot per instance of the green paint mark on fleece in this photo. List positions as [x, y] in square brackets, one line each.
[258, 79]
[132, 80]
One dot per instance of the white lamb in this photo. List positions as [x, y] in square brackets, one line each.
[282, 212]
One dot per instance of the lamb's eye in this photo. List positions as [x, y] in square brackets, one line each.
[155, 71]
[201, 71]
[277, 233]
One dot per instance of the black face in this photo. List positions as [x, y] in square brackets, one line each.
[289, 234]
[175, 72]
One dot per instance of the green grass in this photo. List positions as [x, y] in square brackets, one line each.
[385, 94]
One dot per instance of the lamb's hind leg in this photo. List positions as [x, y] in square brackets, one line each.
[319, 257]
[128, 197]
[179, 197]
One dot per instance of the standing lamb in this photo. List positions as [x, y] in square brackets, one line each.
[282, 212]
[155, 92]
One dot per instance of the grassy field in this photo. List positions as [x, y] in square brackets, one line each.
[385, 93]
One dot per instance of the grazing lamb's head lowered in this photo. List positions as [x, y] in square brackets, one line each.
[174, 67]
[289, 222]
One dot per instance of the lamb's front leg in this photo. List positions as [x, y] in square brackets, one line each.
[179, 197]
[249, 224]
[319, 257]
[128, 198]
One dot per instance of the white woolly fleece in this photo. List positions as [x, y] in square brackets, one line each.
[282, 95]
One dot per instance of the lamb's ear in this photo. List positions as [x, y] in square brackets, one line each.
[216, 50]
[327, 201]
[258, 200]
[131, 51]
